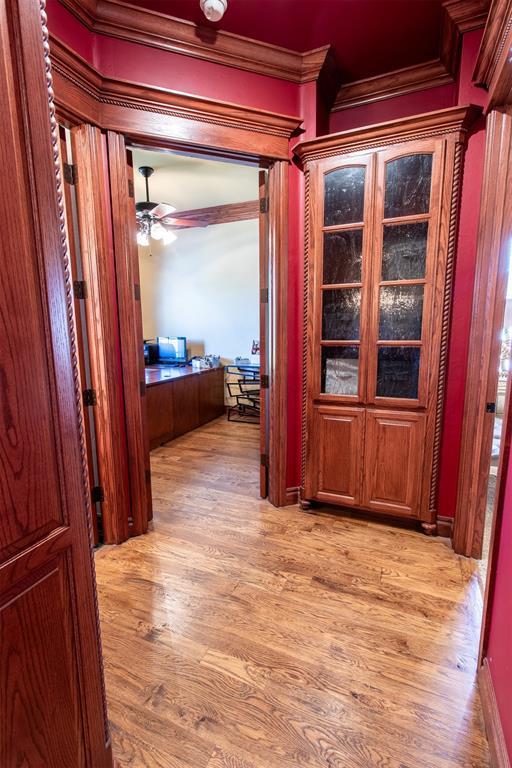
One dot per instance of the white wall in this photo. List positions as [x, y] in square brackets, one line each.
[204, 286]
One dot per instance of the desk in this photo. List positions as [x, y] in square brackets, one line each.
[180, 399]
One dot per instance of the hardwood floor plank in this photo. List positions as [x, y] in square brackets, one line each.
[237, 635]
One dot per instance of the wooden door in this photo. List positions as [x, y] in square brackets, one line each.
[52, 703]
[264, 305]
[393, 462]
[336, 458]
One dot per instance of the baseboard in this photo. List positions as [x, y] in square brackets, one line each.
[445, 527]
[493, 727]
[292, 496]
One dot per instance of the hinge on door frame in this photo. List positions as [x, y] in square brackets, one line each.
[264, 459]
[142, 388]
[90, 397]
[97, 494]
[490, 407]
[264, 295]
[131, 190]
[263, 204]
[264, 381]
[70, 173]
[79, 289]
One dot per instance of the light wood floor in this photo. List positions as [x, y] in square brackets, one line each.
[237, 635]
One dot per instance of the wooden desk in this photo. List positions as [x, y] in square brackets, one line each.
[181, 399]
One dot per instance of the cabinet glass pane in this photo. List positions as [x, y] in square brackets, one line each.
[404, 251]
[343, 252]
[408, 185]
[340, 370]
[398, 371]
[344, 195]
[340, 313]
[401, 312]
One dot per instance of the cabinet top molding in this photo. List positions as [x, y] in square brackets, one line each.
[443, 121]
[160, 30]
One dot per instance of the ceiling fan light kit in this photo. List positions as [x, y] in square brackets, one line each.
[151, 216]
[214, 10]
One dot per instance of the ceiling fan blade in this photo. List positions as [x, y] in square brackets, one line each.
[169, 221]
[162, 210]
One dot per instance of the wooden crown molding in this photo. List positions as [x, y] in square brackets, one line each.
[492, 719]
[467, 15]
[443, 121]
[459, 16]
[493, 69]
[158, 30]
[83, 94]
[218, 214]
[396, 83]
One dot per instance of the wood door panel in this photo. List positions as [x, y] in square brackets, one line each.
[52, 698]
[36, 651]
[336, 469]
[393, 461]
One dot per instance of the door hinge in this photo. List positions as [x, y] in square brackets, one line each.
[136, 291]
[79, 289]
[147, 475]
[70, 173]
[490, 407]
[131, 190]
[264, 381]
[263, 204]
[90, 397]
[264, 295]
[142, 388]
[97, 494]
[264, 460]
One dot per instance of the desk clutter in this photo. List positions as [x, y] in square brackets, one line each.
[243, 389]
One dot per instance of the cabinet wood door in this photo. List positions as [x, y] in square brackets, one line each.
[335, 468]
[393, 462]
[52, 705]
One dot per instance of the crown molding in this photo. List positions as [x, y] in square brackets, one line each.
[118, 19]
[407, 80]
[493, 69]
[83, 94]
[467, 15]
[452, 120]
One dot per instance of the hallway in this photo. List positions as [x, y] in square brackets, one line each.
[237, 635]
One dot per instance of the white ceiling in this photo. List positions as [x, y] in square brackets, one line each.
[191, 182]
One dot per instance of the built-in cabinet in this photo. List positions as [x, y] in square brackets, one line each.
[381, 216]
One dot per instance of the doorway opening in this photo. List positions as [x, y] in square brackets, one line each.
[202, 267]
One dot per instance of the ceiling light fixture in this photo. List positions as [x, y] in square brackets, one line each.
[152, 217]
[214, 10]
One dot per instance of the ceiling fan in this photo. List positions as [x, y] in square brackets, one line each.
[154, 220]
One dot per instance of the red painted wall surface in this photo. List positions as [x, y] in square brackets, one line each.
[499, 650]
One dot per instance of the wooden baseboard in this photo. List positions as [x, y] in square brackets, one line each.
[493, 727]
[292, 496]
[445, 527]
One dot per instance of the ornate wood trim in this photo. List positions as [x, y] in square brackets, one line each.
[397, 83]
[493, 68]
[277, 336]
[218, 214]
[467, 15]
[83, 94]
[159, 30]
[453, 119]
[492, 719]
[488, 306]
[303, 456]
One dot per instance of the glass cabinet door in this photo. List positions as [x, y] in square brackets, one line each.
[401, 284]
[341, 277]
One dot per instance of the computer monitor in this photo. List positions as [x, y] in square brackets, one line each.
[172, 349]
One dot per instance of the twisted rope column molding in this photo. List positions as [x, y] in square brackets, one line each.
[445, 328]
[72, 333]
[303, 503]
